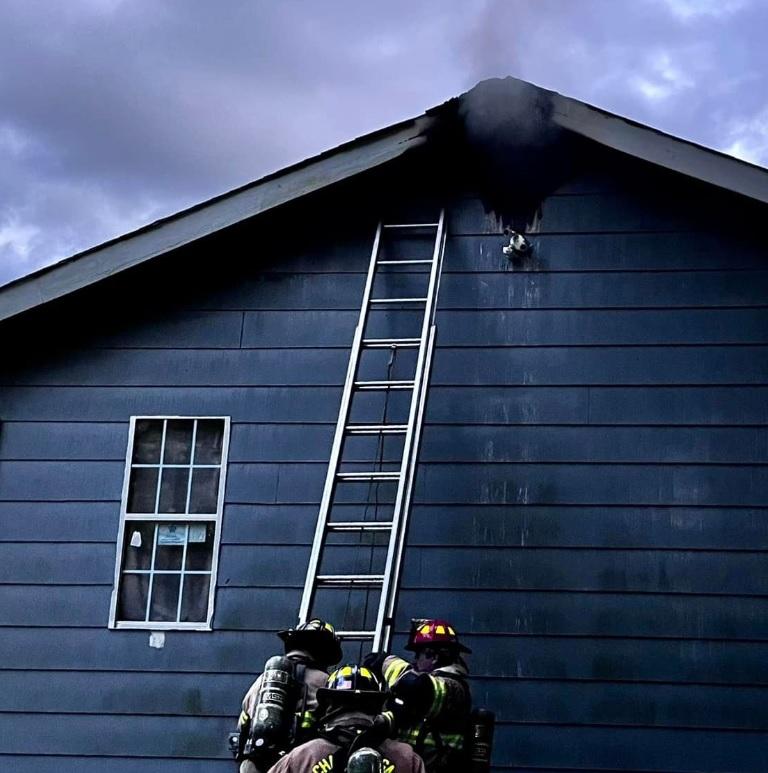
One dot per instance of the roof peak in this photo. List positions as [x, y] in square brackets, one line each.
[493, 107]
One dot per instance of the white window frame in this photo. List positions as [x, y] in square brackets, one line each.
[169, 518]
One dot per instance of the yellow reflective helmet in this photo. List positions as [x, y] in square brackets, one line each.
[353, 686]
[353, 677]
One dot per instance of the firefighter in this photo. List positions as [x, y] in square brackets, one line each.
[353, 731]
[311, 649]
[432, 694]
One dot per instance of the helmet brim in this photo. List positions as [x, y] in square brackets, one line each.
[368, 701]
[322, 644]
[458, 647]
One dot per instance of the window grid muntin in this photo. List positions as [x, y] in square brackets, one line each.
[214, 519]
[152, 563]
[189, 493]
[161, 466]
[159, 487]
[182, 572]
[184, 549]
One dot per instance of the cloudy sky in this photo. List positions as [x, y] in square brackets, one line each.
[116, 112]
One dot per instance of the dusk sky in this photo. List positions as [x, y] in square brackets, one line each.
[114, 113]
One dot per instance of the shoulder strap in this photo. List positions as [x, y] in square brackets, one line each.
[300, 672]
[426, 730]
[301, 706]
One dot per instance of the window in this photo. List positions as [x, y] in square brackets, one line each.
[170, 519]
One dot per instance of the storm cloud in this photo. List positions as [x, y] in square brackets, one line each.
[116, 112]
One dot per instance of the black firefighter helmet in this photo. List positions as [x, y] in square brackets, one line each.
[354, 686]
[317, 637]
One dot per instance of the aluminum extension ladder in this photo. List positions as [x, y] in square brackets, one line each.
[387, 583]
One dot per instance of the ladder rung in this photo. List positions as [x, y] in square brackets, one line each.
[349, 580]
[356, 634]
[387, 343]
[412, 225]
[368, 385]
[376, 429]
[360, 526]
[398, 300]
[369, 475]
[404, 263]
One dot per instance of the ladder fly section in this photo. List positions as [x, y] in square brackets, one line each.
[388, 371]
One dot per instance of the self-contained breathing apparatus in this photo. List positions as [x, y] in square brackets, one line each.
[277, 711]
[273, 727]
[480, 740]
[365, 760]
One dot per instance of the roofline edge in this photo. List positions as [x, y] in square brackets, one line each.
[115, 256]
[658, 147]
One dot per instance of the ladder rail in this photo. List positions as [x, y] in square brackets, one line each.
[338, 438]
[394, 567]
[384, 635]
[408, 468]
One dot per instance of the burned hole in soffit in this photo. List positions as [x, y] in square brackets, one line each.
[506, 147]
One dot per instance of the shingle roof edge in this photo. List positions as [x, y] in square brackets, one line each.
[352, 158]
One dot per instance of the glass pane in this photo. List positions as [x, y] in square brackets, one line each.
[209, 441]
[147, 437]
[132, 602]
[194, 602]
[165, 597]
[178, 441]
[170, 545]
[173, 490]
[142, 490]
[200, 546]
[205, 491]
[137, 552]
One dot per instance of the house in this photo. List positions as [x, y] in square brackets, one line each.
[590, 502]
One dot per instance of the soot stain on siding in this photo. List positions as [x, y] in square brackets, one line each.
[512, 152]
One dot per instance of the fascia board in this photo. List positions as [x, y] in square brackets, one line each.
[661, 149]
[133, 249]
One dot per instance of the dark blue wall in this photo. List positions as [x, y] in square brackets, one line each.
[590, 508]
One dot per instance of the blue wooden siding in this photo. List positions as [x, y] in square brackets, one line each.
[590, 509]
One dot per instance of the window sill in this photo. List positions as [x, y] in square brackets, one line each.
[136, 626]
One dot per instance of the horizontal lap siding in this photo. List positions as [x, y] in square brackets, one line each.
[62, 451]
[637, 527]
[604, 569]
[459, 442]
[77, 764]
[590, 508]
[210, 695]
[696, 405]
[589, 554]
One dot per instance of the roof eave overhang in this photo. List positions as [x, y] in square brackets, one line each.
[350, 159]
[202, 220]
[662, 149]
